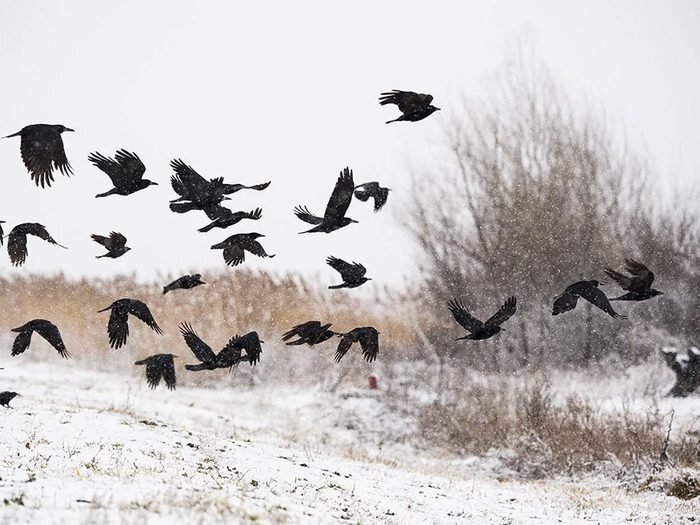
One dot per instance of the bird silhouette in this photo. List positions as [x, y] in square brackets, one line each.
[115, 244]
[353, 274]
[229, 356]
[334, 218]
[185, 282]
[310, 333]
[125, 170]
[481, 330]
[638, 286]
[374, 191]
[159, 366]
[589, 291]
[413, 106]
[2, 233]
[118, 326]
[45, 329]
[223, 217]
[17, 241]
[195, 192]
[42, 151]
[236, 245]
[367, 336]
[6, 397]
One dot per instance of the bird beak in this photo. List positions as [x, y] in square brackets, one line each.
[104, 309]
[203, 282]
[154, 183]
[437, 109]
[68, 129]
[661, 293]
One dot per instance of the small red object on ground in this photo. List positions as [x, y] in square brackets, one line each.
[373, 383]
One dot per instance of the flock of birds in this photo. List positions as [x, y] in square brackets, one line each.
[43, 154]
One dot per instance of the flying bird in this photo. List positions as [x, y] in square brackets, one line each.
[45, 329]
[185, 282]
[115, 244]
[638, 286]
[353, 274]
[479, 330]
[368, 338]
[223, 217]
[42, 151]
[195, 192]
[413, 106]
[589, 291]
[125, 170]
[334, 218]
[118, 327]
[229, 356]
[310, 333]
[159, 366]
[6, 397]
[374, 191]
[17, 240]
[236, 245]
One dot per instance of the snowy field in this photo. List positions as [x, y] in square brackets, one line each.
[82, 446]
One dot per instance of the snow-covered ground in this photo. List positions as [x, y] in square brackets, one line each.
[92, 447]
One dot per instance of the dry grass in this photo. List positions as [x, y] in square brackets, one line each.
[546, 438]
[230, 303]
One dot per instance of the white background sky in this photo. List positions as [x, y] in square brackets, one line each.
[288, 92]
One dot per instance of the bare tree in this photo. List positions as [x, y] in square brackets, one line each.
[537, 194]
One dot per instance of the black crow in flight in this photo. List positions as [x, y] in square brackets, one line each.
[334, 218]
[6, 397]
[229, 356]
[414, 106]
[236, 245]
[589, 291]
[638, 286]
[125, 170]
[477, 329]
[17, 240]
[45, 329]
[368, 338]
[195, 192]
[223, 217]
[159, 366]
[118, 326]
[372, 190]
[353, 275]
[115, 244]
[42, 151]
[310, 333]
[184, 283]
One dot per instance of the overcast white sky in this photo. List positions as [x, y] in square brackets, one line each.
[287, 91]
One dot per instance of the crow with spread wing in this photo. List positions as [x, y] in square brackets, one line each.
[236, 245]
[587, 290]
[310, 333]
[115, 244]
[125, 171]
[42, 151]
[367, 336]
[372, 190]
[17, 240]
[229, 356]
[118, 326]
[477, 329]
[223, 217]
[353, 274]
[159, 366]
[413, 106]
[638, 285]
[185, 282]
[45, 329]
[334, 218]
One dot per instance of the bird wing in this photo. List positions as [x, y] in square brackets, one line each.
[344, 345]
[140, 310]
[623, 280]
[49, 331]
[116, 241]
[200, 349]
[118, 327]
[131, 164]
[250, 342]
[227, 189]
[254, 247]
[305, 215]
[597, 298]
[100, 239]
[234, 255]
[217, 212]
[463, 317]
[17, 247]
[302, 330]
[340, 198]
[369, 341]
[504, 313]
[167, 370]
[22, 341]
[38, 230]
[230, 354]
[111, 167]
[564, 303]
[407, 101]
[154, 371]
[41, 151]
[348, 271]
[187, 182]
[380, 195]
[2, 234]
[643, 276]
